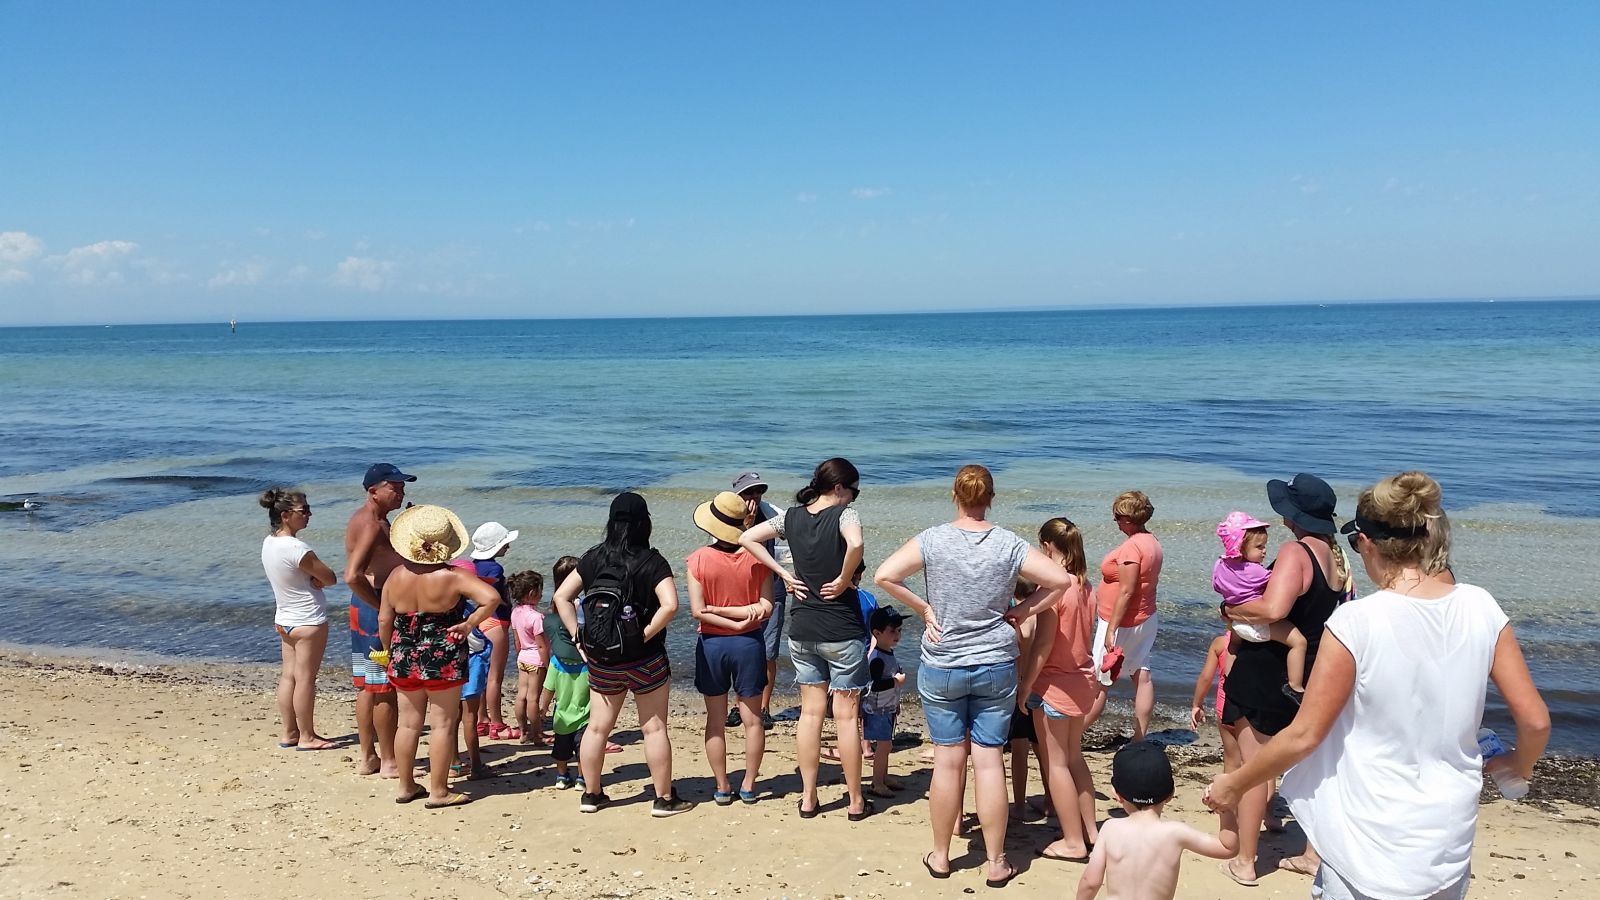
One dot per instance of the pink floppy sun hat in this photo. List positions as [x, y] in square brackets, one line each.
[1231, 532]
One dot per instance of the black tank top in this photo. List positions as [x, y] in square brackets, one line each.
[1260, 670]
[817, 550]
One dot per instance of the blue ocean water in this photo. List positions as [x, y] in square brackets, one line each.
[145, 445]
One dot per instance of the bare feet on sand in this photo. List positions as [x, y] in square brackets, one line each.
[368, 766]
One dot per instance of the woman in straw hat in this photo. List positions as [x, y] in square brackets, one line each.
[422, 625]
[730, 596]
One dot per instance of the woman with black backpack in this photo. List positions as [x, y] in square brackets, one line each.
[628, 598]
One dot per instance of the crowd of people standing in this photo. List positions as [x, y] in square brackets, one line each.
[1016, 644]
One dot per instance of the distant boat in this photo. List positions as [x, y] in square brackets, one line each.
[233, 326]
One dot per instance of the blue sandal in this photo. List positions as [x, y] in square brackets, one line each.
[747, 796]
[723, 798]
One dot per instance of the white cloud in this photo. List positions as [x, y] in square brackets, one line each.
[805, 197]
[238, 275]
[363, 273]
[869, 193]
[17, 249]
[94, 265]
[159, 271]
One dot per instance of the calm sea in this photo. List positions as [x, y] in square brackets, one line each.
[147, 445]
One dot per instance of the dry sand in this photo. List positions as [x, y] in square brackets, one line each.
[165, 781]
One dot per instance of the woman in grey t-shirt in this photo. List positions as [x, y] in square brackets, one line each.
[968, 676]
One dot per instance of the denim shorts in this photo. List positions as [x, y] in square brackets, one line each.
[841, 665]
[772, 628]
[877, 726]
[1050, 712]
[968, 699]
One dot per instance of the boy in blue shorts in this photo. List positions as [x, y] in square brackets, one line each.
[880, 707]
[479, 651]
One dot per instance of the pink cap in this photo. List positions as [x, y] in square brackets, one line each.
[1231, 532]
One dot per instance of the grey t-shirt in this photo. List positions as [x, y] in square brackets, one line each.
[970, 576]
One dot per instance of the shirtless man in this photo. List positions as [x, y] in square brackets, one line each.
[1139, 855]
[368, 561]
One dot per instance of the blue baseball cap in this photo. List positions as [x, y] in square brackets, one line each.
[378, 473]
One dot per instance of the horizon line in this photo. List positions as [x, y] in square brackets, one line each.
[962, 311]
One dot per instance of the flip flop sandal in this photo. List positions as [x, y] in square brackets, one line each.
[417, 794]
[1059, 858]
[808, 813]
[452, 800]
[1242, 882]
[1002, 882]
[931, 870]
[613, 748]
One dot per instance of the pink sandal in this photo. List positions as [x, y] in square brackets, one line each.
[504, 732]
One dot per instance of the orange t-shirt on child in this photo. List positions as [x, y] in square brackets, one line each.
[727, 579]
[1066, 680]
[1144, 549]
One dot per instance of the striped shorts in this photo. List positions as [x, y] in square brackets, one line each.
[641, 677]
[368, 675]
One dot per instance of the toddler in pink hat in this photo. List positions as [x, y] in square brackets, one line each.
[1240, 578]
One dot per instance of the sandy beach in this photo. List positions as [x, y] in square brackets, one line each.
[158, 780]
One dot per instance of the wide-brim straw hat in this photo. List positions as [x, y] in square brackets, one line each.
[722, 517]
[428, 535]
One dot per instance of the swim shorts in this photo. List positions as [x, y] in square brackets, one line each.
[641, 677]
[477, 674]
[368, 675]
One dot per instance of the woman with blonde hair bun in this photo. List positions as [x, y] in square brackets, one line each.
[1386, 766]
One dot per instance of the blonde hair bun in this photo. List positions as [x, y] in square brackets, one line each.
[1407, 500]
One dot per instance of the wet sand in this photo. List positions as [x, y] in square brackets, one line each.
[164, 780]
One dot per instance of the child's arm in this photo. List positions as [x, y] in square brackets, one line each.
[1095, 875]
[1223, 845]
[1197, 711]
[544, 647]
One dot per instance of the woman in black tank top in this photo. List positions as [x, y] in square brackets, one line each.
[1256, 706]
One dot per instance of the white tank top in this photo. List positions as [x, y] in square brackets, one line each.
[1390, 796]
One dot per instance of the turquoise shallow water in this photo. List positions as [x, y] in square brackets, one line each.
[145, 445]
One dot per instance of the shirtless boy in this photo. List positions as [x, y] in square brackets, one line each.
[368, 561]
[1139, 855]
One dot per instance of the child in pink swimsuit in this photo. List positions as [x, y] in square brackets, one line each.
[1240, 578]
[527, 624]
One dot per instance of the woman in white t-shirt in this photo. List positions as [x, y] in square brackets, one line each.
[297, 577]
[1387, 769]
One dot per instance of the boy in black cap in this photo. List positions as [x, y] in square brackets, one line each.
[882, 703]
[1140, 854]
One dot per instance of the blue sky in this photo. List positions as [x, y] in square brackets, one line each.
[195, 161]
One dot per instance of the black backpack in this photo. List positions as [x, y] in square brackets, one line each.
[613, 622]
